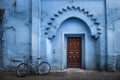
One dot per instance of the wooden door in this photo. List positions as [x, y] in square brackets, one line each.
[74, 52]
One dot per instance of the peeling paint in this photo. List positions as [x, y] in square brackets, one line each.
[14, 25]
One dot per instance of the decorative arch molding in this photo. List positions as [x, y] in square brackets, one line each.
[77, 12]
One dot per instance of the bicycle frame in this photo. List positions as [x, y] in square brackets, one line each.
[40, 67]
[30, 64]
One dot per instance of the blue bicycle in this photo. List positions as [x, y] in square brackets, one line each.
[42, 68]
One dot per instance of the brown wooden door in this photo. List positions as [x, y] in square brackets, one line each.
[74, 52]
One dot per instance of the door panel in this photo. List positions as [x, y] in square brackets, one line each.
[74, 52]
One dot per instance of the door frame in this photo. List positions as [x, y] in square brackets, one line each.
[64, 36]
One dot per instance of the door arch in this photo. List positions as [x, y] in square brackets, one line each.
[74, 27]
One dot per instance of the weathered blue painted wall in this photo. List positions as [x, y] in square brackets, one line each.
[40, 28]
[113, 10]
[17, 30]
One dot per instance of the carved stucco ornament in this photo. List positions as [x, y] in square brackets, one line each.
[55, 21]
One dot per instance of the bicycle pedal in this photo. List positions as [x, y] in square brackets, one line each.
[31, 71]
[36, 71]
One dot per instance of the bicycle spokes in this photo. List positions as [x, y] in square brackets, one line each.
[44, 68]
[22, 69]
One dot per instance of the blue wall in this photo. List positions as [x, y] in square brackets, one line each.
[40, 28]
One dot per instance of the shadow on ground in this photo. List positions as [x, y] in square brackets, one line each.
[65, 75]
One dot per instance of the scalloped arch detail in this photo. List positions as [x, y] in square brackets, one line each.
[80, 13]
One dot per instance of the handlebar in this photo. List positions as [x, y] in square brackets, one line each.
[32, 57]
[28, 57]
[15, 60]
[39, 58]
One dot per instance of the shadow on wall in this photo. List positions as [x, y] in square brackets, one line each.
[1, 35]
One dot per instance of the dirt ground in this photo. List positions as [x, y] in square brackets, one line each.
[65, 75]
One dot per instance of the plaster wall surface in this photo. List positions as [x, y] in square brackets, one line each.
[17, 31]
[24, 23]
[113, 10]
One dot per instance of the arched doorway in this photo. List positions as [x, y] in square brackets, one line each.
[71, 22]
[77, 31]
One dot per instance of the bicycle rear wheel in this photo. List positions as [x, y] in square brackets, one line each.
[22, 70]
[44, 68]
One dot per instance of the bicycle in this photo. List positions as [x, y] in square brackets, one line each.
[42, 68]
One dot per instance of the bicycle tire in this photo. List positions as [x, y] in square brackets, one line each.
[22, 70]
[44, 68]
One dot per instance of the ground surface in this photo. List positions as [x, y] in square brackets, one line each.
[68, 74]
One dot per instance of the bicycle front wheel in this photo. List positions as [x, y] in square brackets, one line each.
[44, 68]
[22, 70]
